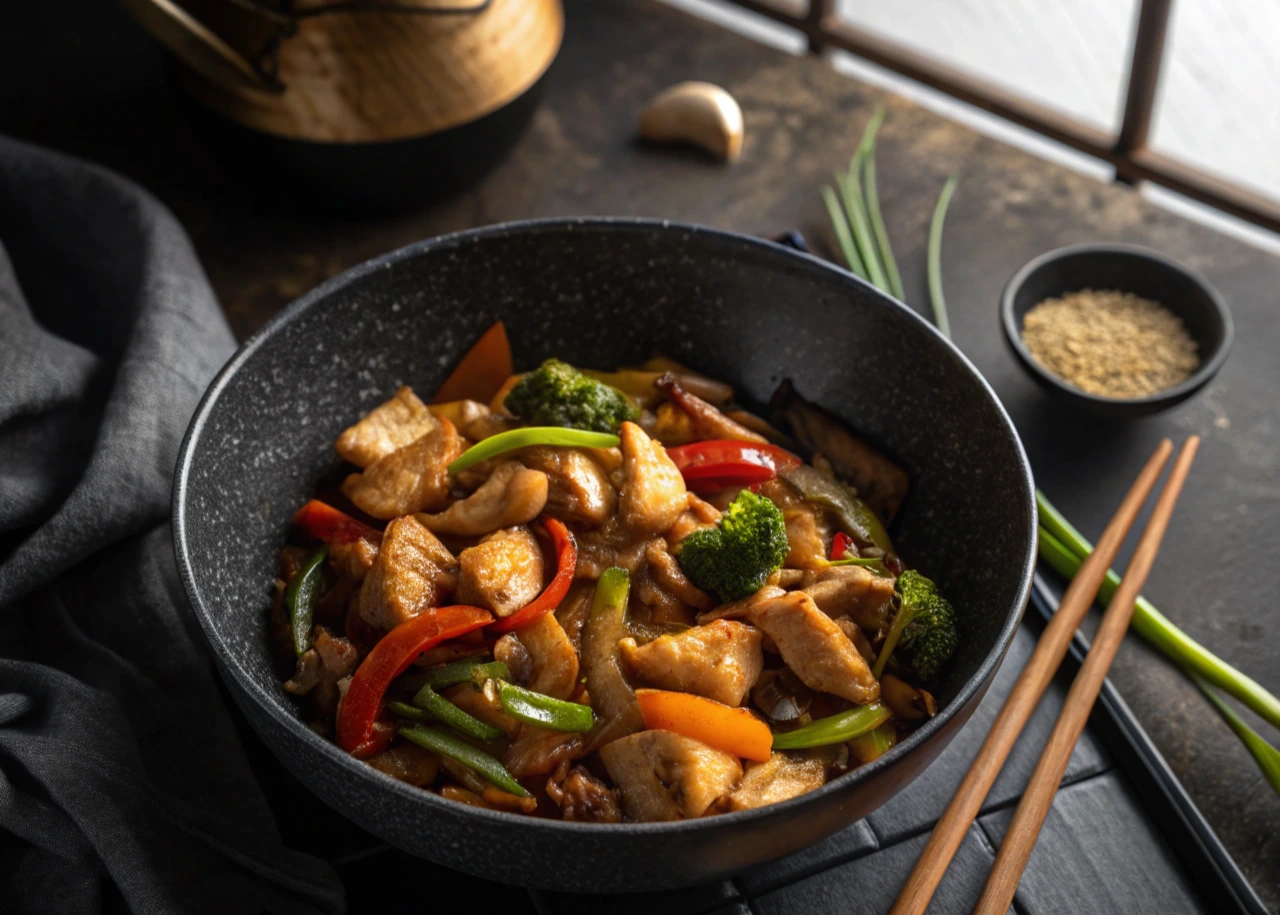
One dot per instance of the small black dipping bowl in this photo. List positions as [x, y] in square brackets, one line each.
[599, 292]
[1129, 269]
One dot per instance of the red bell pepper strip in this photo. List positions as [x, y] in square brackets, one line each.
[840, 544]
[720, 463]
[566, 565]
[324, 522]
[394, 652]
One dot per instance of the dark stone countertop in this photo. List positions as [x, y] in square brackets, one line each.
[102, 94]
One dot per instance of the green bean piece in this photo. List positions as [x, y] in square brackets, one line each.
[301, 596]
[444, 711]
[835, 729]
[438, 740]
[474, 669]
[531, 435]
[544, 711]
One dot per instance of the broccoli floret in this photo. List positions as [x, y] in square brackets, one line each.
[924, 630]
[557, 394]
[733, 560]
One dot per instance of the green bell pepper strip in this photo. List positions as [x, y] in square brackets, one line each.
[835, 729]
[544, 711]
[438, 740]
[531, 435]
[474, 669]
[301, 596]
[441, 709]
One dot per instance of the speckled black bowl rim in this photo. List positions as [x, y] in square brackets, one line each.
[231, 665]
[1166, 398]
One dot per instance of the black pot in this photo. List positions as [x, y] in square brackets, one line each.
[599, 293]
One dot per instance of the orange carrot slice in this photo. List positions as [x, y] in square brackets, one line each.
[733, 730]
[482, 370]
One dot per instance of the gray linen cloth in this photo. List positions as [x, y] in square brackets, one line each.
[123, 784]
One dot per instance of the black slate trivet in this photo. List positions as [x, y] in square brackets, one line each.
[1122, 837]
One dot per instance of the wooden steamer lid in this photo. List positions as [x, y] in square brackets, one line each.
[367, 75]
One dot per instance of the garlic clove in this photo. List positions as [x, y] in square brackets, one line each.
[694, 112]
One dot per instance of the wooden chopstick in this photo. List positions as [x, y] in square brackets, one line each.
[1032, 682]
[1021, 836]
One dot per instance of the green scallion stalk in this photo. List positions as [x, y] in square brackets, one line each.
[850, 184]
[1267, 756]
[878, 227]
[935, 257]
[1065, 549]
[440, 741]
[528, 436]
[843, 238]
[851, 194]
[835, 729]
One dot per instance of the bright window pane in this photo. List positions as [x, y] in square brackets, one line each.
[1219, 102]
[1068, 54]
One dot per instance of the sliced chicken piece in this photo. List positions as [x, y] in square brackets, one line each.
[502, 572]
[741, 609]
[328, 660]
[578, 489]
[670, 425]
[483, 704]
[667, 572]
[657, 606]
[410, 479]
[809, 536]
[667, 776]
[652, 490]
[881, 483]
[708, 422]
[813, 646]
[860, 641]
[512, 495]
[583, 798]
[610, 544]
[460, 412]
[553, 661]
[854, 592]
[491, 424]
[408, 763]
[720, 660]
[355, 558]
[781, 777]
[400, 421]
[538, 751]
[413, 571]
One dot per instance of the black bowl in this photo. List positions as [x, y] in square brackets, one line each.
[599, 292]
[1129, 269]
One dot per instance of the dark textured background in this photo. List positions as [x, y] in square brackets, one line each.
[79, 76]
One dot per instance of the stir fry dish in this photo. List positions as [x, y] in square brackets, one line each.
[607, 596]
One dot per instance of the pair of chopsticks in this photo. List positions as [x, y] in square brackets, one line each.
[1021, 836]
